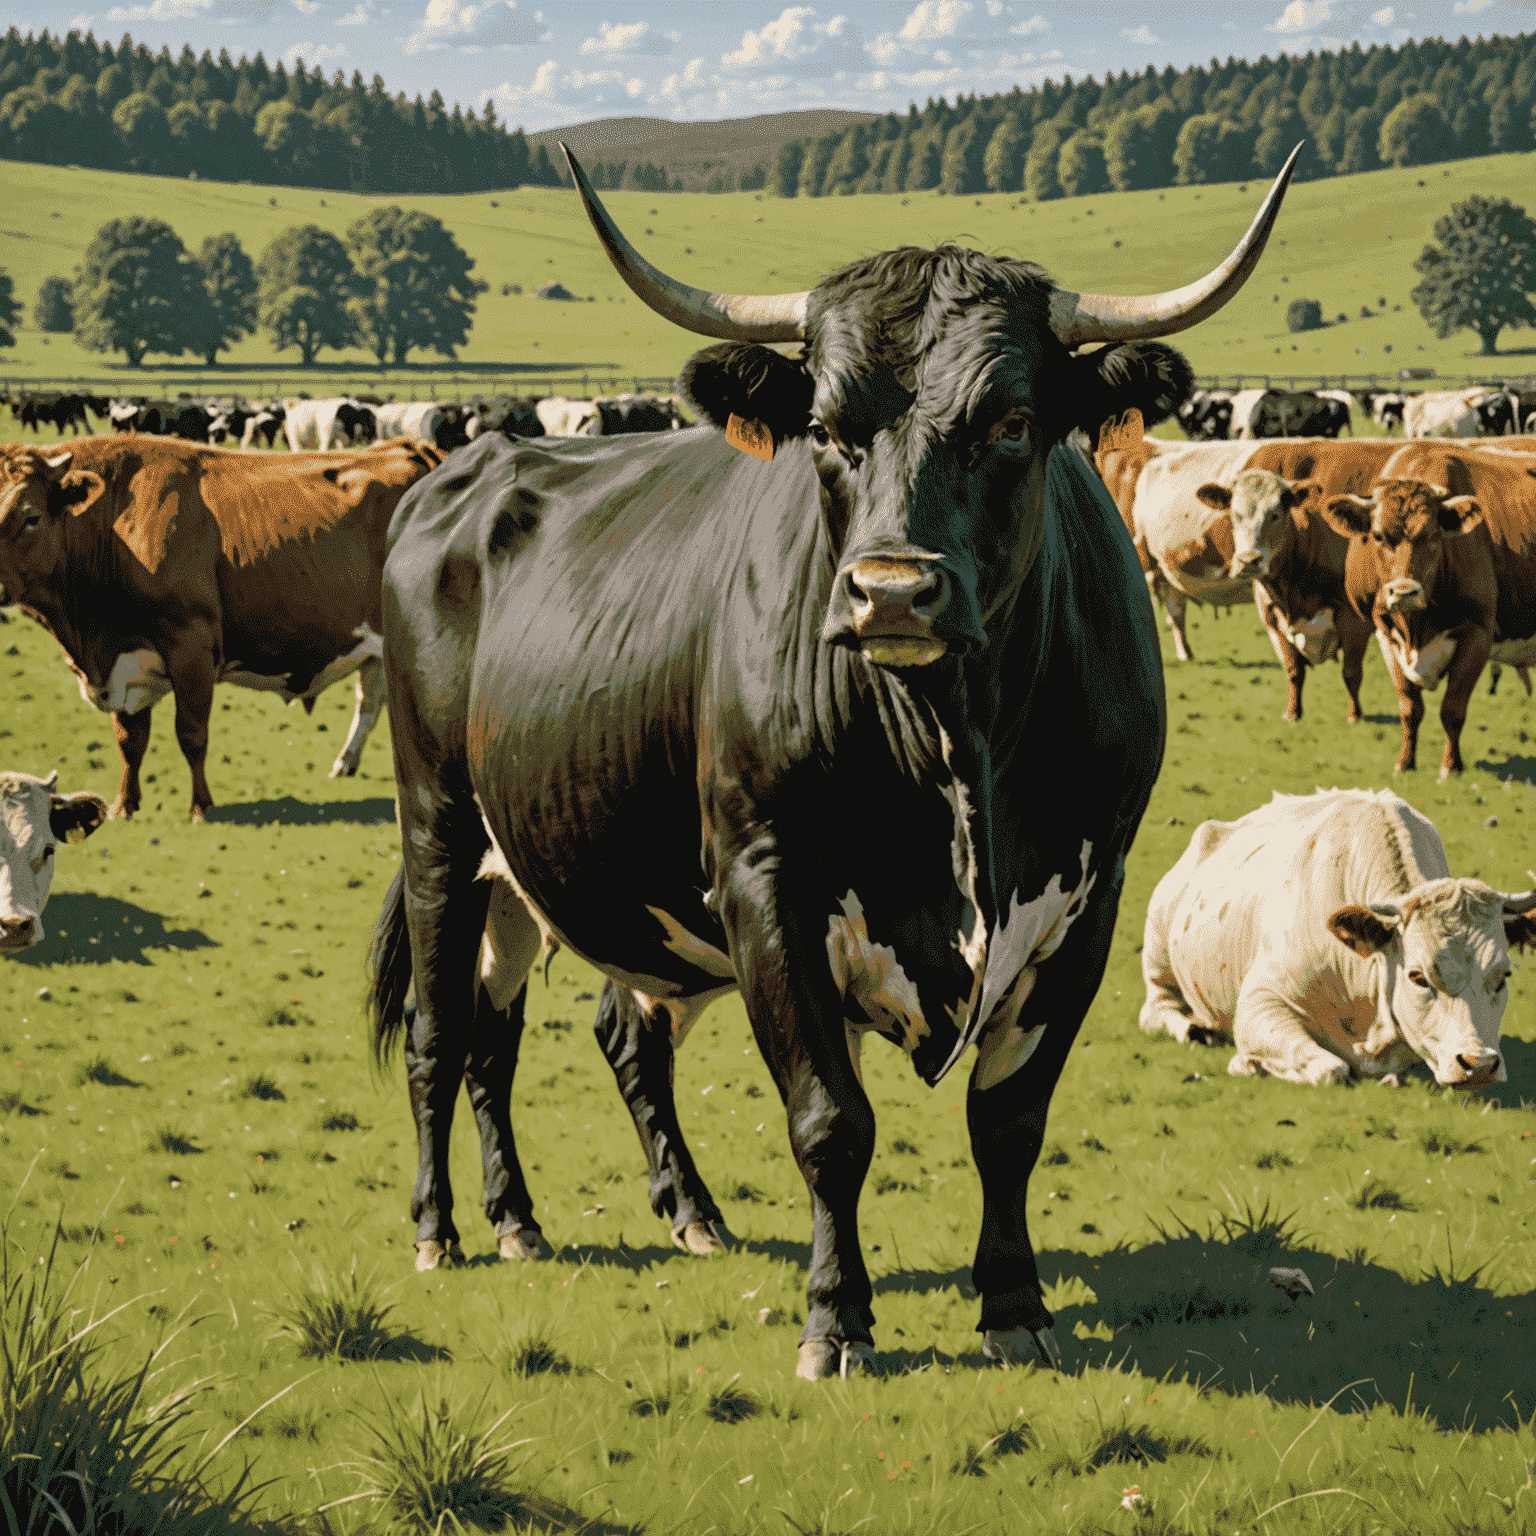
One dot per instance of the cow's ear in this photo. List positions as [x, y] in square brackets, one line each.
[1145, 375]
[58, 465]
[74, 817]
[1519, 929]
[1459, 514]
[1361, 929]
[77, 491]
[755, 384]
[1215, 496]
[1300, 493]
[1348, 515]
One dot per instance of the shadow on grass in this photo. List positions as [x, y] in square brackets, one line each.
[1521, 769]
[288, 812]
[407, 1349]
[1520, 1063]
[86, 929]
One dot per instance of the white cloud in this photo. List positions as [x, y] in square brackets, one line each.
[160, 10]
[1302, 16]
[81, 23]
[487, 24]
[1383, 17]
[807, 46]
[675, 87]
[1030, 28]
[634, 87]
[614, 40]
[785, 38]
[1470, 7]
[542, 90]
[934, 19]
[315, 55]
[1142, 36]
[357, 18]
[306, 7]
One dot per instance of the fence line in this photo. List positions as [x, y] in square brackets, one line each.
[452, 388]
[1379, 381]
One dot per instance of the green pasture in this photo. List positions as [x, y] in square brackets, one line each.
[187, 1090]
[1347, 242]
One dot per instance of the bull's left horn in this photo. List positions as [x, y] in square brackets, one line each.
[727, 316]
[1078, 318]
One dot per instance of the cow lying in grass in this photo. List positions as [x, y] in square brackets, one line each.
[1324, 935]
[34, 820]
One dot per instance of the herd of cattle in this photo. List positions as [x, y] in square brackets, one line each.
[757, 706]
[1212, 414]
[348, 421]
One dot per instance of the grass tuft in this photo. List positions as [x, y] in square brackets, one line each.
[285, 1018]
[169, 1139]
[1013, 1439]
[1442, 1142]
[100, 1070]
[340, 1315]
[1262, 1233]
[1273, 1159]
[1139, 1442]
[1378, 1195]
[1176, 1305]
[259, 1086]
[340, 1120]
[534, 1354]
[732, 1405]
[12, 1103]
[655, 1405]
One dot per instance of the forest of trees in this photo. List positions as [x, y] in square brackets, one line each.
[75, 101]
[1358, 110]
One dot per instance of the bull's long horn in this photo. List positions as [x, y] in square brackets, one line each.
[729, 316]
[1078, 318]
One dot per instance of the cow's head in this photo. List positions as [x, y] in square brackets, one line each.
[35, 497]
[932, 387]
[33, 822]
[1403, 525]
[1445, 949]
[1259, 506]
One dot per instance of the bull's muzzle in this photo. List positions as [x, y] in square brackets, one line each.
[1479, 1068]
[16, 932]
[1249, 562]
[1405, 595]
[894, 605]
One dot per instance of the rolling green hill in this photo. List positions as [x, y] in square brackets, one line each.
[1347, 242]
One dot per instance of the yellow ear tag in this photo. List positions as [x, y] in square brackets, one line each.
[750, 437]
[1121, 433]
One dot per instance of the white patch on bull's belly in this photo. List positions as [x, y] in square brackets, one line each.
[682, 1012]
[689, 947]
[1425, 666]
[369, 647]
[137, 682]
[1316, 639]
[1515, 653]
[872, 975]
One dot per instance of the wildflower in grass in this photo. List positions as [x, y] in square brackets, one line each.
[1130, 1498]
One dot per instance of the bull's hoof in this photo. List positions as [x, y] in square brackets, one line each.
[342, 769]
[820, 1358]
[524, 1244]
[432, 1255]
[1291, 716]
[1021, 1346]
[703, 1239]
[1200, 1035]
[198, 816]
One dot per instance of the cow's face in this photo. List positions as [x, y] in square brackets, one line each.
[1445, 948]
[932, 391]
[1259, 506]
[32, 504]
[33, 821]
[1402, 528]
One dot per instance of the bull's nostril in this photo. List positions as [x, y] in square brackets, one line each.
[933, 596]
[1472, 1066]
[858, 595]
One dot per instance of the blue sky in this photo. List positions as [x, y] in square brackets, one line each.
[550, 63]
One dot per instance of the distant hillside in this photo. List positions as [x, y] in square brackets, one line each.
[701, 155]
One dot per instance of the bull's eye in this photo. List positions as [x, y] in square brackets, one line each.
[32, 522]
[819, 435]
[42, 859]
[1013, 428]
[1419, 979]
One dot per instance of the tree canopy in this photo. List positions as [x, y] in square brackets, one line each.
[136, 290]
[1482, 273]
[413, 286]
[55, 307]
[10, 310]
[229, 283]
[306, 282]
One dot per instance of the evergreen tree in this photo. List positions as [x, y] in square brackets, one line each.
[55, 308]
[960, 167]
[305, 280]
[1139, 146]
[10, 310]
[1360, 142]
[229, 282]
[143, 130]
[413, 286]
[137, 290]
[1196, 160]
[1041, 180]
[784, 178]
[1482, 274]
[1080, 165]
[1003, 162]
[1415, 132]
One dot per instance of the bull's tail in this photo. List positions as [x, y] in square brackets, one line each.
[389, 970]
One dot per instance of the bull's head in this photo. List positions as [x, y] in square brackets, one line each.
[33, 500]
[1403, 525]
[1445, 951]
[1259, 506]
[933, 385]
[33, 821]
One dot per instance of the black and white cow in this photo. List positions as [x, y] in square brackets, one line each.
[771, 720]
[1207, 415]
[34, 820]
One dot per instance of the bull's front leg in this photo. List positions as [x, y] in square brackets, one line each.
[190, 668]
[1273, 1038]
[797, 1018]
[1354, 640]
[1410, 709]
[132, 733]
[1471, 654]
[638, 1045]
[1286, 653]
[370, 705]
[1006, 1107]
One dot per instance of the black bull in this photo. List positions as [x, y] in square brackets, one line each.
[864, 731]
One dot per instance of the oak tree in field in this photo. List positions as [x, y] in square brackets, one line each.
[136, 290]
[10, 310]
[413, 286]
[306, 281]
[1482, 274]
[55, 307]
[229, 281]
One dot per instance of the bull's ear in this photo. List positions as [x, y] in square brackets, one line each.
[1459, 514]
[1361, 929]
[77, 491]
[1299, 493]
[1148, 376]
[755, 384]
[58, 465]
[1519, 929]
[74, 817]
[1215, 496]
[1348, 515]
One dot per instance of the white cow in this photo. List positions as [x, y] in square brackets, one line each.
[1323, 935]
[1243, 403]
[569, 418]
[1443, 413]
[418, 419]
[311, 424]
[33, 821]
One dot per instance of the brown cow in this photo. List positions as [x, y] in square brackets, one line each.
[163, 566]
[1441, 560]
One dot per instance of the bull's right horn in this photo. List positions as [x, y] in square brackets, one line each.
[727, 316]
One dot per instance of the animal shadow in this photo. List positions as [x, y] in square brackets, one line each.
[288, 812]
[1521, 769]
[86, 929]
[1520, 1063]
